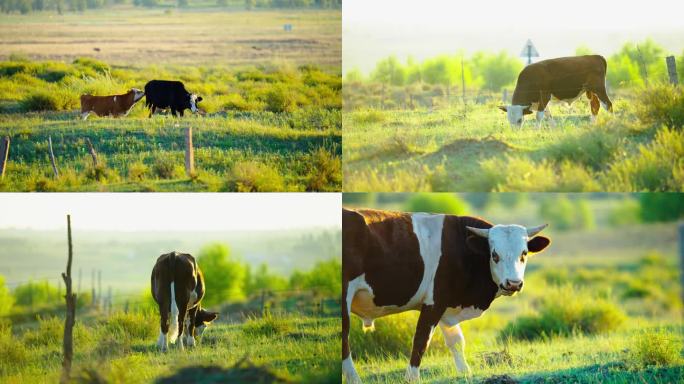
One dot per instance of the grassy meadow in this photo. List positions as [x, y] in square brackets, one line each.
[601, 305]
[471, 147]
[120, 348]
[270, 119]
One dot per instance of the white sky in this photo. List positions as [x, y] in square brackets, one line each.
[171, 211]
[374, 29]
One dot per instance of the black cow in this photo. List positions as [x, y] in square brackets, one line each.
[165, 94]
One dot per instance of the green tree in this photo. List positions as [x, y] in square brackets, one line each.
[565, 214]
[436, 203]
[389, 71]
[224, 275]
[262, 279]
[354, 75]
[583, 50]
[36, 294]
[325, 276]
[440, 70]
[6, 298]
[249, 4]
[661, 206]
[496, 70]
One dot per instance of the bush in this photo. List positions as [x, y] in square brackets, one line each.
[661, 105]
[13, 352]
[138, 171]
[562, 313]
[436, 203]
[566, 214]
[280, 98]
[129, 325]
[6, 298]
[252, 176]
[50, 331]
[325, 171]
[53, 100]
[164, 167]
[593, 148]
[656, 348]
[661, 207]
[36, 294]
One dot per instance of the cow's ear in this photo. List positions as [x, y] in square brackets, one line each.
[527, 110]
[503, 108]
[538, 244]
[478, 244]
[210, 316]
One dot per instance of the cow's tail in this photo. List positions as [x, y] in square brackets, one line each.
[173, 326]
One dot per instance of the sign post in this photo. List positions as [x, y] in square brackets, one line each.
[529, 51]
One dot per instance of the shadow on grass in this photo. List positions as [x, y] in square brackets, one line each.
[244, 371]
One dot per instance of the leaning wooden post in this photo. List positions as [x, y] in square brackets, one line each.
[189, 153]
[52, 158]
[4, 154]
[68, 344]
[91, 149]
[672, 70]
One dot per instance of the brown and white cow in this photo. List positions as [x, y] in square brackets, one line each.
[178, 289]
[565, 79]
[450, 268]
[114, 105]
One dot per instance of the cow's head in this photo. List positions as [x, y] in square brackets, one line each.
[202, 320]
[515, 113]
[508, 247]
[193, 100]
[137, 94]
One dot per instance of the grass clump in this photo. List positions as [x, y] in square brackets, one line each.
[267, 325]
[11, 351]
[655, 348]
[325, 171]
[662, 105]
[49, 332]
[252, 176]
[42, 100]
[370, 116]
[129, 325]
[564, 312]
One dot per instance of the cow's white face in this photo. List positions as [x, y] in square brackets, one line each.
[194, 99]
[137, 94]
[515, 113]
[509, 246]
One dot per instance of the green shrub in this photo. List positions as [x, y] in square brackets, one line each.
[280, 98]
[164, 167]
[656, 348]
[564, 311]
[44, 100]
[36, 294]
[436, 203]
[593, 148]
[252, 176]
[13, 352]
[661, 105]
[138, 171]
[6, 298]
[130, 325]
[50, 331]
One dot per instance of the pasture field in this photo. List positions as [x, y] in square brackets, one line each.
[601, 305]
[473, 148]
[137, 36]
[120, 348]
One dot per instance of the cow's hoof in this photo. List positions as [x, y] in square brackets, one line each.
[412, 374]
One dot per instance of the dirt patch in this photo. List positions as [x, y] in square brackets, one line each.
[244, 371]
[489, 143]
[500, 379]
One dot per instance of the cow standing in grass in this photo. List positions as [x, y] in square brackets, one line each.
[114, 105]
[450, 268]
[178, 289]
[163, 94]
[565, 79]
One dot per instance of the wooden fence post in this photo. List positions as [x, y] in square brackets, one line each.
[68, 345]
[91, 149]
[4, 154]
[672, 70]
[99, 289]
[189, 153]
[52, 158]
[681, 256]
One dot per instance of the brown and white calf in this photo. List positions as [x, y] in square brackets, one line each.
[178, 289]
[450, 268]
[564, 79]
[114, 105]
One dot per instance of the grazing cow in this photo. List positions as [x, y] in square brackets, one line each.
[114, 105]
[565, 79]
[450, 268]
[178, 288]
[165, 94]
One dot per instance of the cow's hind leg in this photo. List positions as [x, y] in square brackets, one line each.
[182, 299]
[427, 321]
[348, 369]
[164, 307]
[598, 86]
[454, 340]
[595, 105]
[190, 329]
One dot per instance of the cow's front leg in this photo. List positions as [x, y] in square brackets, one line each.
[427, 321]
[454, 340]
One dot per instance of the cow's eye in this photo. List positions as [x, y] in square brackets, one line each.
[495, 257]
[523, 256]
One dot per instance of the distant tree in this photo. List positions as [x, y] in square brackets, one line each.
[224, 275]
[583, 50]
[38, 5]
[263, 279]
[354, 75]
[36, 294]
[497, 70]
[149, 3]
[661, 206]
[564, 214]
[249, 4]
[325, 277]
[436, 203]
[389, 71]
[182, 3]
[440, 70]
[6, 298]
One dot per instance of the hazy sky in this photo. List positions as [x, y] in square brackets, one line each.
[171, 211]
[373, 29]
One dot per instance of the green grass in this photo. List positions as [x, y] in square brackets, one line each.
[473, 148]
[121, 348]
